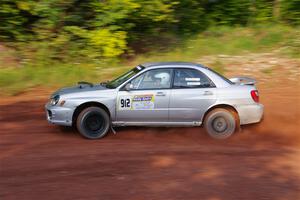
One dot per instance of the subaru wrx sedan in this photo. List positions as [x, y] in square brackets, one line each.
[159, 94]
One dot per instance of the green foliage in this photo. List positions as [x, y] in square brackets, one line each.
[190, 16]
[74, 28]
[11, 21]
[230, 12]
[101, 30]
[291, 11]
[263, 11]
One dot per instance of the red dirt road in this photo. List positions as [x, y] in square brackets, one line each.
[42, 161]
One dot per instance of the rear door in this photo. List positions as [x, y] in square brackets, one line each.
[148, 100]
[192, 94]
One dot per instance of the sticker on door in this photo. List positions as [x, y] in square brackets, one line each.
[137, 102]
[125, 103]
[143, 102]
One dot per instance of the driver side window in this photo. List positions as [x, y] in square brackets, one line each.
[153, 79]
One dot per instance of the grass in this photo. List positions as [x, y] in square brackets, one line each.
[14, 81]
[231, 41]
[214, 41]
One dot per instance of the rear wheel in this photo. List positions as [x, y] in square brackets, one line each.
[221, 123]
[93, 123]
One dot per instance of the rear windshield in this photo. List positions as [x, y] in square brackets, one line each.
[224, 78]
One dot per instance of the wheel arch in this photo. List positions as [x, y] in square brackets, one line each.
[224, 106]
[86, 105]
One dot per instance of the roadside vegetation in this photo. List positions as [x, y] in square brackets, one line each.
[57, 43]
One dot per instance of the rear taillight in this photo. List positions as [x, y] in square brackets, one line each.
[254, 95]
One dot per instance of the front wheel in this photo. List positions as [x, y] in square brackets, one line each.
[93, 123]
[220, 123]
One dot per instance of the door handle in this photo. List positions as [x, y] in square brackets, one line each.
[160, 94]
[208, 93]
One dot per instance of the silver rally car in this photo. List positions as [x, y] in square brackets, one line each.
[159, 94]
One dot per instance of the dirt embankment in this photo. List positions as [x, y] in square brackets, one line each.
[42, 161]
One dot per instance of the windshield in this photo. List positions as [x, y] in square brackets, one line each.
[121, 79]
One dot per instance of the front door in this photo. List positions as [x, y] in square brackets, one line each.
[147, 101]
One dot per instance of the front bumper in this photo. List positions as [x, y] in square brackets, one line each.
[250, 114]
[59, 115]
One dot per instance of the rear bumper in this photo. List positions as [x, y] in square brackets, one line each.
[250, 114]
[59, 115]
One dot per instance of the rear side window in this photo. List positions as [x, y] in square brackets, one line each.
[191, 78]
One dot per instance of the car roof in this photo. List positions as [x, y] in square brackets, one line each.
[153, 64]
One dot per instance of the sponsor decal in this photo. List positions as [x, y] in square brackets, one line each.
[143, 102]
[192, 79]
[137, 102]
[193, 83]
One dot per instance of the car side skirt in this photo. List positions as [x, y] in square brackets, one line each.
[157, 124]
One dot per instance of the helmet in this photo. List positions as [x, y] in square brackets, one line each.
[164, 78]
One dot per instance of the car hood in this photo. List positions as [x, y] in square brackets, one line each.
[79, 88]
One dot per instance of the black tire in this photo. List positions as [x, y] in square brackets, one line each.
[221, 123]
[93, 123]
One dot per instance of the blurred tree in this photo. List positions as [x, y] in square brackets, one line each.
[70, 29]
[229, 12]
[290, 11]
[14, 18]
[190, 16]
[263, 11]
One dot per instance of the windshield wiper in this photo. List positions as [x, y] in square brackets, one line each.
[80, 83]
[104, 83]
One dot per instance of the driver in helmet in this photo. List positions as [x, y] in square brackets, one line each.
[161, 80]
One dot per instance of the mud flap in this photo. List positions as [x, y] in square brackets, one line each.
[113, 130]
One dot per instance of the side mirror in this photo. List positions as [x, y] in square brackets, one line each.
[128, 87]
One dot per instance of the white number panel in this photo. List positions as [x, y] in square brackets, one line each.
[125, 103]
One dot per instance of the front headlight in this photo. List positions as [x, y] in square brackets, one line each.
[54, 100]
